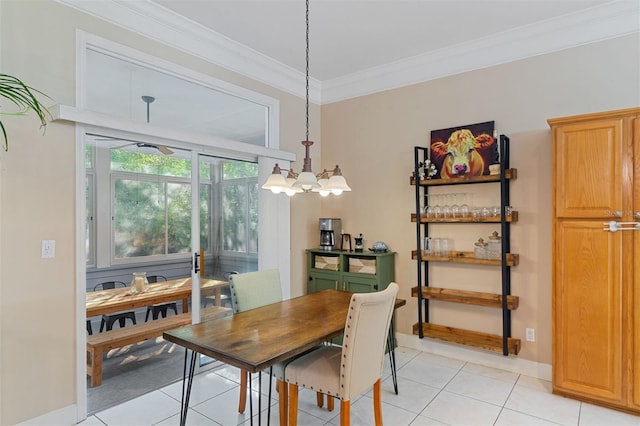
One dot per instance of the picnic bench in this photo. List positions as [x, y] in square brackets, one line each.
[98, 344]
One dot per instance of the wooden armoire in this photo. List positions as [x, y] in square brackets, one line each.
[596, 258]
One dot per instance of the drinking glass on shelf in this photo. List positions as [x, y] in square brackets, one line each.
[428, 207]
[437, 208]
[444, 247]
[435, 247]
[455, 207]
[507, 211]
[495, 211]
[475, 213]
[428, 245]
[464, 207]
[446, 208]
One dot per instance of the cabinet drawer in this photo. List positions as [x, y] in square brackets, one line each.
[331, 263]
[362, 265]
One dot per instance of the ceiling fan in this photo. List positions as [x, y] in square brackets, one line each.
[163, 149]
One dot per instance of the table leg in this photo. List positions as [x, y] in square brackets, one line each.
[392, 356]
[187, 381]
[251, 403]
[269, 396]
[260, 398]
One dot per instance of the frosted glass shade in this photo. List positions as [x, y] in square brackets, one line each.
[307, 181]
[337, 185]
[276, 183]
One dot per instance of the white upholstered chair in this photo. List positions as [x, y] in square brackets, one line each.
[347, 371]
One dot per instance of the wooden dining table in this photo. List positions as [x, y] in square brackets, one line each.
[124, 298]
[256, 339]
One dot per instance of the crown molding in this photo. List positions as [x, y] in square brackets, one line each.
[151, 20]
[592, 25]
[157, 23]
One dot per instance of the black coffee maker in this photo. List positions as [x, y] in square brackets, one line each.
[328, 229]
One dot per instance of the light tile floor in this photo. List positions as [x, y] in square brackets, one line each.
[433, 390]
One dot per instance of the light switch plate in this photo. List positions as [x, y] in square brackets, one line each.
[48, 249]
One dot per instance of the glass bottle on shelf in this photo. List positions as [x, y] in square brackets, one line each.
[480, 250]
[495, 246]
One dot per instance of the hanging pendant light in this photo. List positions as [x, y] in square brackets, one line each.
[307, 181]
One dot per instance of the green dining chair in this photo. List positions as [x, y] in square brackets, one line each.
[348, 371]
[249, 291]
[252, 290]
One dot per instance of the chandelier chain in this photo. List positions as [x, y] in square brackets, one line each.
[307, 72]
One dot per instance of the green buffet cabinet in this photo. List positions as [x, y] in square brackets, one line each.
[349, 271]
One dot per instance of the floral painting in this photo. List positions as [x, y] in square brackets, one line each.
[464, 151]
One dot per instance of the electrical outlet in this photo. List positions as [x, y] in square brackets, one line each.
[530, 334]
[48, 249]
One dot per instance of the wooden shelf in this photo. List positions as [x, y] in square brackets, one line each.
[490, 342]
[424, 219]
[508, 173]
[466, 257]
[490, 300]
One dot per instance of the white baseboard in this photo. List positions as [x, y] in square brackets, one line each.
[463, 353]
[68, 415]
[61, 417]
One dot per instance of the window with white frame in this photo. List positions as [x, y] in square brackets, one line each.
[150, 207]
[90, 208]
[239, 193]
[139, 209]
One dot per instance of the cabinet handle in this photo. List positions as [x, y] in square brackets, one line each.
[637, 215]
[614, 226]
[336, 282]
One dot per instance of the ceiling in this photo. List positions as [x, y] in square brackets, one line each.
[349, 36]
[359, 47]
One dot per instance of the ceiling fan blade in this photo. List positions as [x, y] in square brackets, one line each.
[163, 149]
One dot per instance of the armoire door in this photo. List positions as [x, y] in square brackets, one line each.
[634, 332]
[588, 169]
[588, 318]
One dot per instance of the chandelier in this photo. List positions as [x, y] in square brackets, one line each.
[326, 182]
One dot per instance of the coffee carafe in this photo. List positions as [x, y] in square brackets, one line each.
[328, 229]
[327, 239]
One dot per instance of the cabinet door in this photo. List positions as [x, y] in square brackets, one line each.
[319, 281]
[633, 334]
[588, 169]
[587, 303]
[360, 283]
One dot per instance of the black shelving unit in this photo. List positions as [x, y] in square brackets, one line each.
[424, 291]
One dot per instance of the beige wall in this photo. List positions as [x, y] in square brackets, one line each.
[373, 138]
[37, 201]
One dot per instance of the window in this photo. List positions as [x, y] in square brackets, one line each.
[151, 205]
[90, 223]
[239, 190]
[141, 199]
